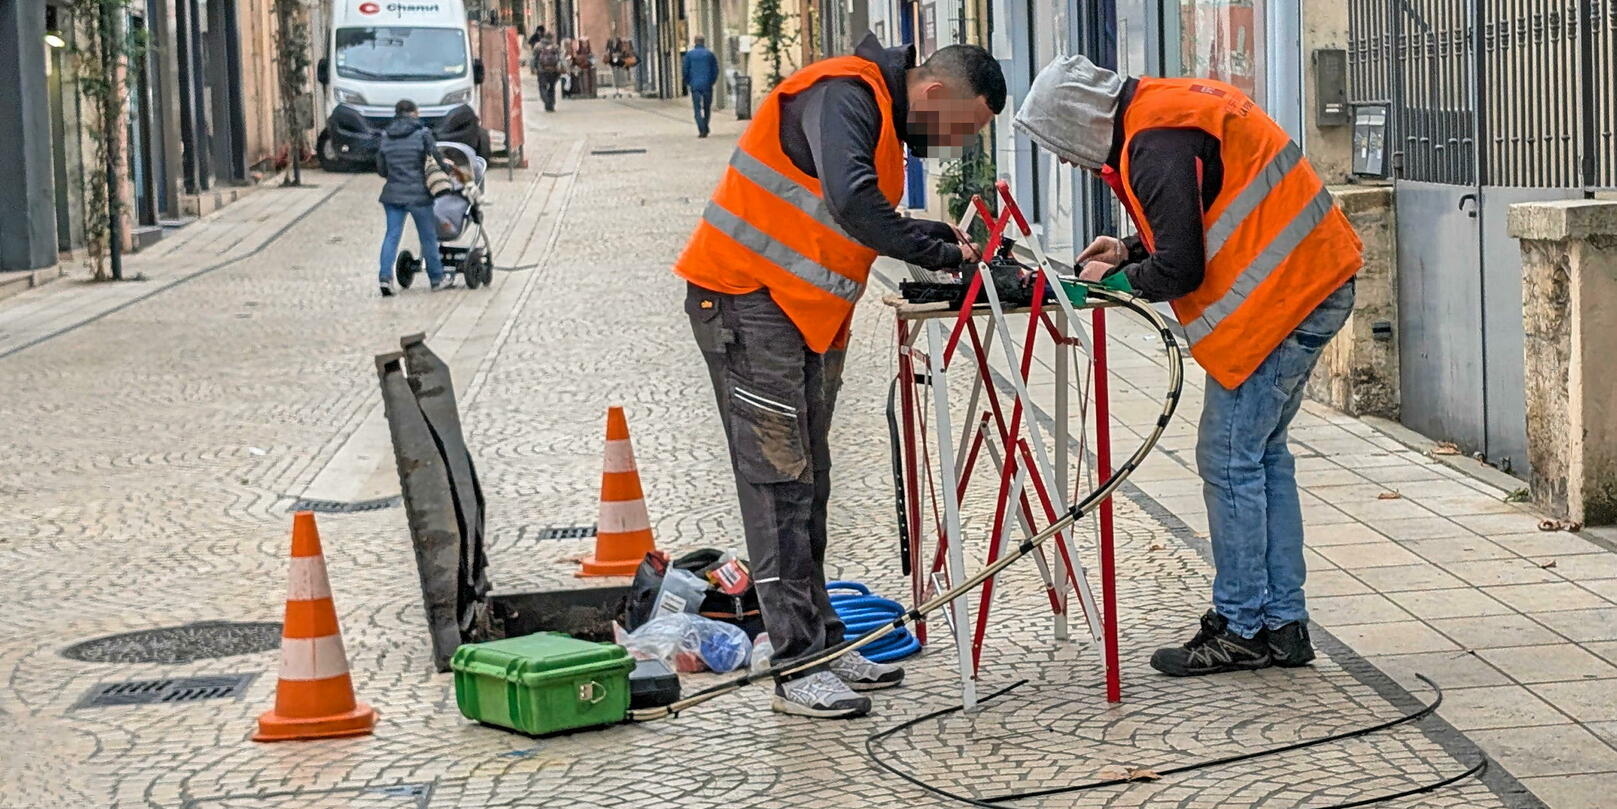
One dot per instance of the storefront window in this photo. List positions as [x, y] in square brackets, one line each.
[1223, 40]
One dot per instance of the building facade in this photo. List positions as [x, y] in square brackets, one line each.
[202, 112]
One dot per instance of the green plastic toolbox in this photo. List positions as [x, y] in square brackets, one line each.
[542, 683]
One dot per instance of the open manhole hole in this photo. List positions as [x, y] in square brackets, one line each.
[167, 692]
[180, 644]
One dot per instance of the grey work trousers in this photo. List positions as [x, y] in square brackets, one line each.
[775, 397]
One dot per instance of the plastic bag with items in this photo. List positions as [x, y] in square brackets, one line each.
[689, 643]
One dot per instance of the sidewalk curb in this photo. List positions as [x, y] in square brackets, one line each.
[16, 283]
[1483, 473]
[170, 284]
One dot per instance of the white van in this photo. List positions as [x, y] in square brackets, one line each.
[381, 51]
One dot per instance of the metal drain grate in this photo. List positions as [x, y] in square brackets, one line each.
[172, 690]
[616, 151]
[340, 507]
[568, 532]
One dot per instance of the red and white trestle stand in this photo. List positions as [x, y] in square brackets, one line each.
[1008, 439]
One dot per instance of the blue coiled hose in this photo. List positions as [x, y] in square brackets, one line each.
[861, 612]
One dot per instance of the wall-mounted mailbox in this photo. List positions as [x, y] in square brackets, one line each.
[1330, 88]
[1370, 140]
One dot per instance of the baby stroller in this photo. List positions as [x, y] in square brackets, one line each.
[457, 206]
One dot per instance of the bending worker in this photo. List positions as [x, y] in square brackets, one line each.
[1236, 229]
[776, 264]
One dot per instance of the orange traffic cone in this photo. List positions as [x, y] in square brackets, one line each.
[314, 698]
[623, 531]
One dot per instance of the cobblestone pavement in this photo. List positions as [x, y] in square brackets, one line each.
[154, 451]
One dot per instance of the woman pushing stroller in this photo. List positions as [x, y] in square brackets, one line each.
[407, 145]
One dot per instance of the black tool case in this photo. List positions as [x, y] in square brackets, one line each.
[652, 685]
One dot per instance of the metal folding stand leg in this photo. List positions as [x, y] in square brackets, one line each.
[959, 607]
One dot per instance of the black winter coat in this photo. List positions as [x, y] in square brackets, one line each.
[402, 158]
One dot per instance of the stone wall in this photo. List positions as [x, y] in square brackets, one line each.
[1358, 371]
[1569, 313]
[1330, 148]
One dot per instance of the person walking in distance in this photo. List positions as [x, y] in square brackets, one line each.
[701, 69]
[569, 84]
[1239, 232]
[547, 63]
[584, 63]
[773, 271]
[407, 145]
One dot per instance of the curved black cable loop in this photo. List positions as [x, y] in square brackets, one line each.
[999, 801]
[1090, 501]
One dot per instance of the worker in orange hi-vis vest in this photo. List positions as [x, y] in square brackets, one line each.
[1238, 231]
[776, 264]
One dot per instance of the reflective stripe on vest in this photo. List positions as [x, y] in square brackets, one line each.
[1275, 253]
[1250, 197]
[789, 191]
[781, 255]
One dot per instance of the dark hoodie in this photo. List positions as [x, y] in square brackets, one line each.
[830, 131]
[402, 159]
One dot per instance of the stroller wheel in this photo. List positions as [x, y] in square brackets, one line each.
[488, 269]
[472, 267]
[404, 269]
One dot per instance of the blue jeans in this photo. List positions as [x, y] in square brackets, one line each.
[426, 228]
[1249, 478]
[702, 101]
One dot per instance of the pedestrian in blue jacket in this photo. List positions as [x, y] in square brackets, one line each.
[701, 69]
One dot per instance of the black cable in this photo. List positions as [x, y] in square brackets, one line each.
[895, 451]
[1239, 757]
[1477, 769]
[518, 268]
[872, 739]
[998, 801]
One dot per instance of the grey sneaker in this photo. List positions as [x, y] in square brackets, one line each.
[389, 288]
[863, 674]
[446, 282]
[821, 695]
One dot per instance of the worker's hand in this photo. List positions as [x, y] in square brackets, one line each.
[1094, 271]
[1108, 249]
[968, 251]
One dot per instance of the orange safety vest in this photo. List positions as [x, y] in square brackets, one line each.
[1276, 243]
[768, 226]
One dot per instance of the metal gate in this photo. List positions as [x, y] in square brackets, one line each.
[1492, 102]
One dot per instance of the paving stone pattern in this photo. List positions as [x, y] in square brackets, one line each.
[153, 452]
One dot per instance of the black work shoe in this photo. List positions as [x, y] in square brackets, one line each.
[1214, 650]
[1289, 645]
